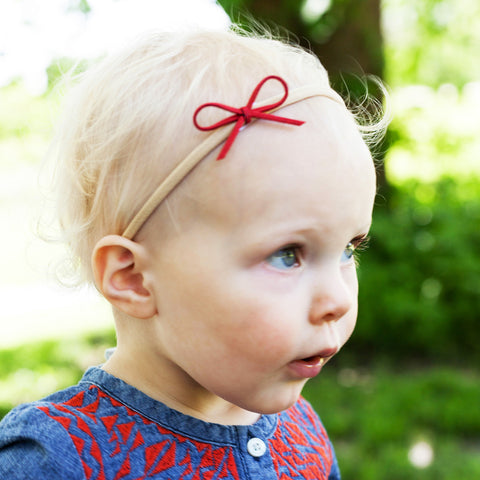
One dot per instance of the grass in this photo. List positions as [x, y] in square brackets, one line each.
[33, 370]
[377, 416]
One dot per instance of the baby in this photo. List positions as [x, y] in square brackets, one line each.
[214, 188]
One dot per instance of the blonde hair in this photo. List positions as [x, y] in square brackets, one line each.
[129, 121]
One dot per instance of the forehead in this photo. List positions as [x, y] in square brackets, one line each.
[272, 163]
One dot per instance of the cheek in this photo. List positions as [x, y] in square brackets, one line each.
[251, 330]
[346, 324]
[232, 318]
[261, 331]
[349, 323]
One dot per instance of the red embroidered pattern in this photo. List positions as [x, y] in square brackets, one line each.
[128, 450]
[114, 442]
[298, 450]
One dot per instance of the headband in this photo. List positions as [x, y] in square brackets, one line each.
[241, 117]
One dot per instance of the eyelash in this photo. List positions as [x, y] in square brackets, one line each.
[358, 244]
[278, 255]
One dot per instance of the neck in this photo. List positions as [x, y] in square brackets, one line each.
[181, 393]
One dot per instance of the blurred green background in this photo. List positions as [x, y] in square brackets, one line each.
[402, 401]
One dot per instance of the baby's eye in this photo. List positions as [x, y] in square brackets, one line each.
[347, 254]
[353, 247]
[284, 259]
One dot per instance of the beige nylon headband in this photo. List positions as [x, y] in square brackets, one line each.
[211, 142]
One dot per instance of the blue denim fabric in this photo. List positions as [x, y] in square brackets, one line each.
[105, 429]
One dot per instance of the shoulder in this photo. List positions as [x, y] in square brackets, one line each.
[29, 446]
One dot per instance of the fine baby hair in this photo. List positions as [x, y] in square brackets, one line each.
[215, 189]
[128, 123]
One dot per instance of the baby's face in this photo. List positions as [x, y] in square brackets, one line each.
[259, 289]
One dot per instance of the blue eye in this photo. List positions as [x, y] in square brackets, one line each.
[284, 259]
[347, 254]
[353, 248]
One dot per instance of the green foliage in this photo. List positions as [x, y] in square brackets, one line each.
[25, 126]
[248, 12]
[62, 68]
[431, 42]
[83, 6]
[375, 417]
[434, 132]
[32, 371]
[21, 115]
[420, 278]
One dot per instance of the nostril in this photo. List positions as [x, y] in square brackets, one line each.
[331, 301]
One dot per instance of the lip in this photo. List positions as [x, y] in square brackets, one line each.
[310, 367]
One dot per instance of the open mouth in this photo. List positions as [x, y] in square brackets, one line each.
[321, 357]
[309, 367]
[315, 360]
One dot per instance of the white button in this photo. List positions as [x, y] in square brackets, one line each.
[256, 447]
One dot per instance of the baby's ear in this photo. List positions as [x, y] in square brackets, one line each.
[117, 267]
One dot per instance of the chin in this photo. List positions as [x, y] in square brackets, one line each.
[276, 403]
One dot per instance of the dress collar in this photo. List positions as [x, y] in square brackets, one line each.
[174, 420]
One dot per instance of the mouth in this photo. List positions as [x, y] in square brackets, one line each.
[310, 367]
[315, 360]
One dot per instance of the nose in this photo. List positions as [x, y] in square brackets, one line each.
[334, 294]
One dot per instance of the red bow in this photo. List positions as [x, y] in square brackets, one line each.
[242, 116]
